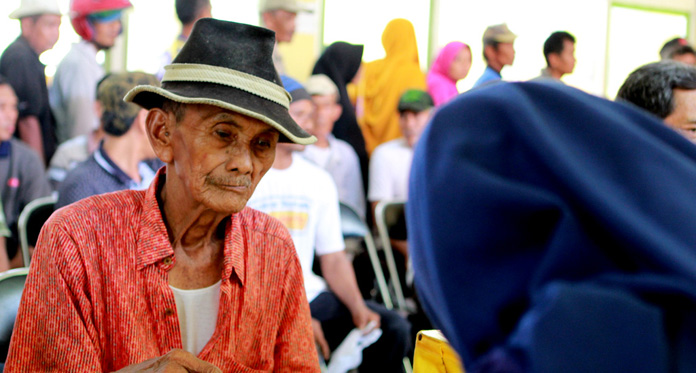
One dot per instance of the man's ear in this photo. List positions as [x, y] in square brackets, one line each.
[553, 59]
[158, 125]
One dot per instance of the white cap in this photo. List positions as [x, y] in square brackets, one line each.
[292, 6]
[28, 8]
[321, 85]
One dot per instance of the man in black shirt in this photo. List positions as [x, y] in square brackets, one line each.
[40, 21]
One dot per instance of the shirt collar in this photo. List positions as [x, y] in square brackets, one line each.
[153, 239]
[105, 162]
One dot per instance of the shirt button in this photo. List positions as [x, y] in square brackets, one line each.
[168, 312]
[168, 260]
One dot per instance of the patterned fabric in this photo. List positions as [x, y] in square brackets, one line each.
[97, 296]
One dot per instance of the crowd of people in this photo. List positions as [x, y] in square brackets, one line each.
[229, 174]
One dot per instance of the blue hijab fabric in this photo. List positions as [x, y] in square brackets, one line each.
[554, 231]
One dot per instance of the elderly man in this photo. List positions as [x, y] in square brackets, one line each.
[334, 155]
[129, 279]
[279, 16]
[666, 89]
[40, 21]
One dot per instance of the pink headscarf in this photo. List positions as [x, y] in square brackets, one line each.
[440, 86]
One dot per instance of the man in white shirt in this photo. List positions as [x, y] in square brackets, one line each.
[391, 162]
[304, 198]
[335, 156]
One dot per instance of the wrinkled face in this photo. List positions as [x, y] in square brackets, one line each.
[459, 68]
[8, 112]
[683, 118]
[282, 22]
[43, 32]
[566, 59]
[412, 125]
[105, 33]
[328, 111]
[505, 53]
[219, 156]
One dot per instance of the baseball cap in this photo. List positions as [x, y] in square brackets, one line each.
[118, 115]
[296, 90]
[415, 100]
[292, 6]
[321, 85]
[498, 33]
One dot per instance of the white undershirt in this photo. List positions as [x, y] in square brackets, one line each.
[197, 310]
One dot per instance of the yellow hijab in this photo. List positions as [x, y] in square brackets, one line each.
[385, 80]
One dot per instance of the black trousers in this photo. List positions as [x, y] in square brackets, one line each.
[385, 355]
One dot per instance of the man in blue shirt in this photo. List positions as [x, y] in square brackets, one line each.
[498, 51]
[124, 159]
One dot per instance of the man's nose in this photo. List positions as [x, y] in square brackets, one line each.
[241, 160]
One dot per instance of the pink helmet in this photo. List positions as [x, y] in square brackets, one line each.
[80, 9]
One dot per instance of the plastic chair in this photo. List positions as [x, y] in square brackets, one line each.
[30, 221]
[387, 213]
[352, 225]
[11, 287]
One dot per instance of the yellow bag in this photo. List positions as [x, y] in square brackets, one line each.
[434, 354]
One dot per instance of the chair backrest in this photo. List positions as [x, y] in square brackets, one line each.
[30, 221]
[387, 214]
[11, 286]
[352, 225]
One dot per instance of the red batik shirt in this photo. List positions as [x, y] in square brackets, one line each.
[97, 297]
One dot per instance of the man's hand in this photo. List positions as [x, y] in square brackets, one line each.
[363, 315]
[319, 338]
[173, 361]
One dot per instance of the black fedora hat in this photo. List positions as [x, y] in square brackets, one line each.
[228, 65]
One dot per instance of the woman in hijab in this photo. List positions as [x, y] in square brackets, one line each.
[385, 80]
[553, 231]
[341, 62]
[450, 66]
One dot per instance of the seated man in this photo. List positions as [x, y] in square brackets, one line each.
[304, 198]
[181, 277]
[21, 171]
[666, 89]
[124, 159]
[552, 232]
[391, 162]
[335, 156]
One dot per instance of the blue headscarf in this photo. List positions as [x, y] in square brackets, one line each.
[554, 231]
